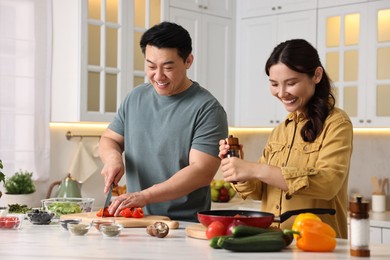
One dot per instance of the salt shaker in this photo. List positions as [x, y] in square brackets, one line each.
[359, 228]
[234, 147]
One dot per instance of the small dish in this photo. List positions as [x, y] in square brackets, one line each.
[98, 222]
[111, 230]
[11, 221]
[40, 217]
[79, 229]
[64, 222]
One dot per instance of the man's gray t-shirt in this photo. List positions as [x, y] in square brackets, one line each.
[159, 132]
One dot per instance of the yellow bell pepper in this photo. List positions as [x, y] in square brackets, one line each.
[315, 236]
[301, 217]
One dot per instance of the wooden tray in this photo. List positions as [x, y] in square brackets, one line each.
[196, 231]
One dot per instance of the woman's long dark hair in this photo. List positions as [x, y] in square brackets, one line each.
[302, 57]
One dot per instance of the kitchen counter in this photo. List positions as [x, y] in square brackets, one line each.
[53, 242]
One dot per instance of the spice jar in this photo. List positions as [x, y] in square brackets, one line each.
[359, 228]
[234, 147]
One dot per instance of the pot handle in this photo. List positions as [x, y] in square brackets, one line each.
[286, 215]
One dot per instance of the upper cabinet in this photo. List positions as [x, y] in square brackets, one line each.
[255, 8]
[96, 55]
[354, 44]
[213, 48]
[256, 38]
[224, 8]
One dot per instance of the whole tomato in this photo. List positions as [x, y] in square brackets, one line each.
[232, 225]
[214, 229]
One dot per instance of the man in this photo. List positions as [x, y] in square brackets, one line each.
[168, 130]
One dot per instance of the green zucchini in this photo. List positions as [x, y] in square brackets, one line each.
[215, 240]
[244, 231]
[266, 242]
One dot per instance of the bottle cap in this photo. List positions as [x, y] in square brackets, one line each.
[359, 208]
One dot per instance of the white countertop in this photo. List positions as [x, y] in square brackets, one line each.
[53, 242]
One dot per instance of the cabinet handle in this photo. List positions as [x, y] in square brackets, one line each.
[277, 121]
[205, 7]
[273, 8]
[200, 6]
[369, 121]
[271, 121]
[361, 121]
[279, 7]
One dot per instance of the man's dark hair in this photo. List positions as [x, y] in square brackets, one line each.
[168, 35]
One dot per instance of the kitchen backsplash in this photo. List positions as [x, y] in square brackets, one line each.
[370, 157]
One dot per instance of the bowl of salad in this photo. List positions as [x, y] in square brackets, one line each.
[63, 206]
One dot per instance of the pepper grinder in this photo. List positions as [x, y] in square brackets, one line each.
[234, 147]
[359, 228]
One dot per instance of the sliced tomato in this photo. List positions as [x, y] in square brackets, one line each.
[104, 213]
[138, 213]
[126, 213]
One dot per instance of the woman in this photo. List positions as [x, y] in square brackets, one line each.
[306, 161]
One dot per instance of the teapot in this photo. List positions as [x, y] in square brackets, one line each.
[67, 188]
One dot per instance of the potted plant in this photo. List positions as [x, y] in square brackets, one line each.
[18, 189]
[20, 183]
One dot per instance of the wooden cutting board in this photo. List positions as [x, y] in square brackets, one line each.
[126, 222]
[196, 231]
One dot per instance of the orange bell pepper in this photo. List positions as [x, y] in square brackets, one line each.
[315, 236]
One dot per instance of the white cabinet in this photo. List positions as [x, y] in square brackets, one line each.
[354, 45]
[212, 43]
[375, 235]
[256, 38]
[385, 235]
[224, 8]
[255, 8]
[87, 76]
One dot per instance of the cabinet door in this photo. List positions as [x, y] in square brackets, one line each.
[212, 41]
[341, 34]
[375, 235]
[254, 104]
[222, 8]
[216, 59]
[192, 22]
[257, 38]
[378, 67]
[385, 235]
[354, 43]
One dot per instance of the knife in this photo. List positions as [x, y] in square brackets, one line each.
[108, 199]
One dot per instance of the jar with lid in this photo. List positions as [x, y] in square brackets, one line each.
[359, 227]
[234, 147]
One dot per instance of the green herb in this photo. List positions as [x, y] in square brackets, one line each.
[62, 208]
[17, 208]
[20, 183]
